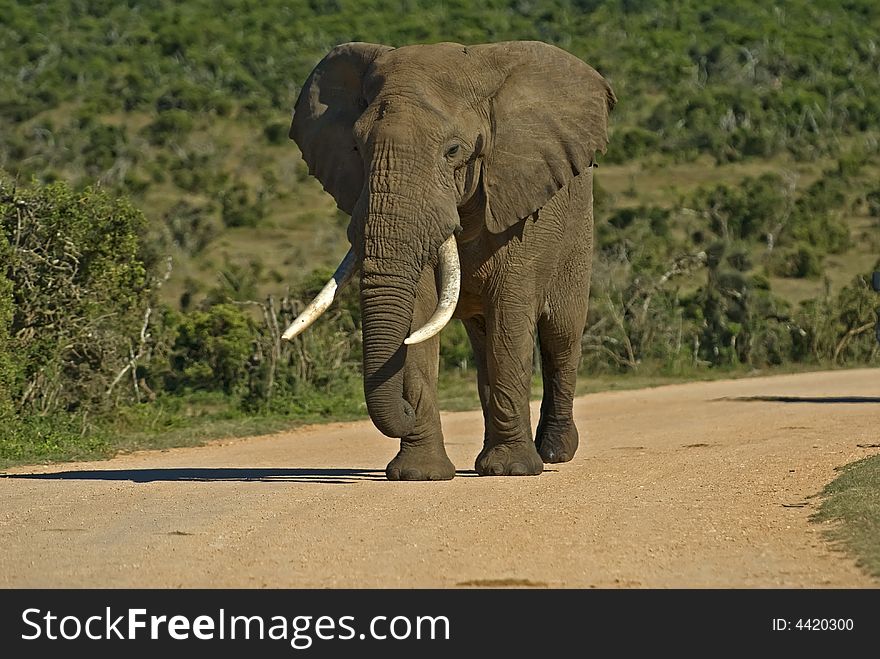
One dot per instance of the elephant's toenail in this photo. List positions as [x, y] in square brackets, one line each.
[496, 469]
[518, 469]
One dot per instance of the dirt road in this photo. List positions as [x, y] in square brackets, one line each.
[678, 486]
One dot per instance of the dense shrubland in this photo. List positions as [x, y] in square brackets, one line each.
[138, 95]
[145, 153]
[703, 297]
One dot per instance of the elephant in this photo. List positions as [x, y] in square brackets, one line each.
[468, 175]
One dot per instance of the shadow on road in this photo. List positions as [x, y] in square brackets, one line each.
[802, 399]
[305, 475]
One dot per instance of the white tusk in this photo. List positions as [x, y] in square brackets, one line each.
[450, 286]
[324, 299]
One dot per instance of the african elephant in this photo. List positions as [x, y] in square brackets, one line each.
[467, 172]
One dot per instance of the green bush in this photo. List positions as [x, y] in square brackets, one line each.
[211, 350]
[815, 219]
[238, 207]
[236, 282]
[746, 211]
[455, 348]
[189, 97]
[739, 258]
[172, 124]
[74, 287]
[198, 173]
[79, 275]
[7, 357]
[838, 328]
[873, 201]
[801, 262]
[276, 132]
[192, 226]
[632, 143]
[104, 145]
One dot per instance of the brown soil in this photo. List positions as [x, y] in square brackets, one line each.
[680, 486]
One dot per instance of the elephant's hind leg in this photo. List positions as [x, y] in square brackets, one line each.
[557, 436]
[559, 334]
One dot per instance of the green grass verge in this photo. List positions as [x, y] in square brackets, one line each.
[852, 501]
[169, 422]
[45, 439]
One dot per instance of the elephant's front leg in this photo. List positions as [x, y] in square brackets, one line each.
[508, 449]
[422, 455]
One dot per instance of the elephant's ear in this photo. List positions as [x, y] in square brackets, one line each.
[328, 105]
[549, 117]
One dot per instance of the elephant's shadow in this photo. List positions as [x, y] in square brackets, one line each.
[213, 475]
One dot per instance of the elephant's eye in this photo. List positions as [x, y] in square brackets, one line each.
[452, 151]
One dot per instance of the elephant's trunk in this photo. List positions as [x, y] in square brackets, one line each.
[392, 264]
[387, 302]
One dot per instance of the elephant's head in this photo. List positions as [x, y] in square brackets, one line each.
[406, 138]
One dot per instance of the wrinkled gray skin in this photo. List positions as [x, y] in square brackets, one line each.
[494, 143]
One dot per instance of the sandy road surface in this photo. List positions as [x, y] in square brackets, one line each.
[678, 486]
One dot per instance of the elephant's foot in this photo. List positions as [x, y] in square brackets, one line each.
[557, 442]
[516, 458]
[420, 463]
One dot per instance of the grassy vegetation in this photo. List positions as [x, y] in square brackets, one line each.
[852, 503]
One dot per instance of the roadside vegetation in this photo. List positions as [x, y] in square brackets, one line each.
[158, 230]
[852, 504]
